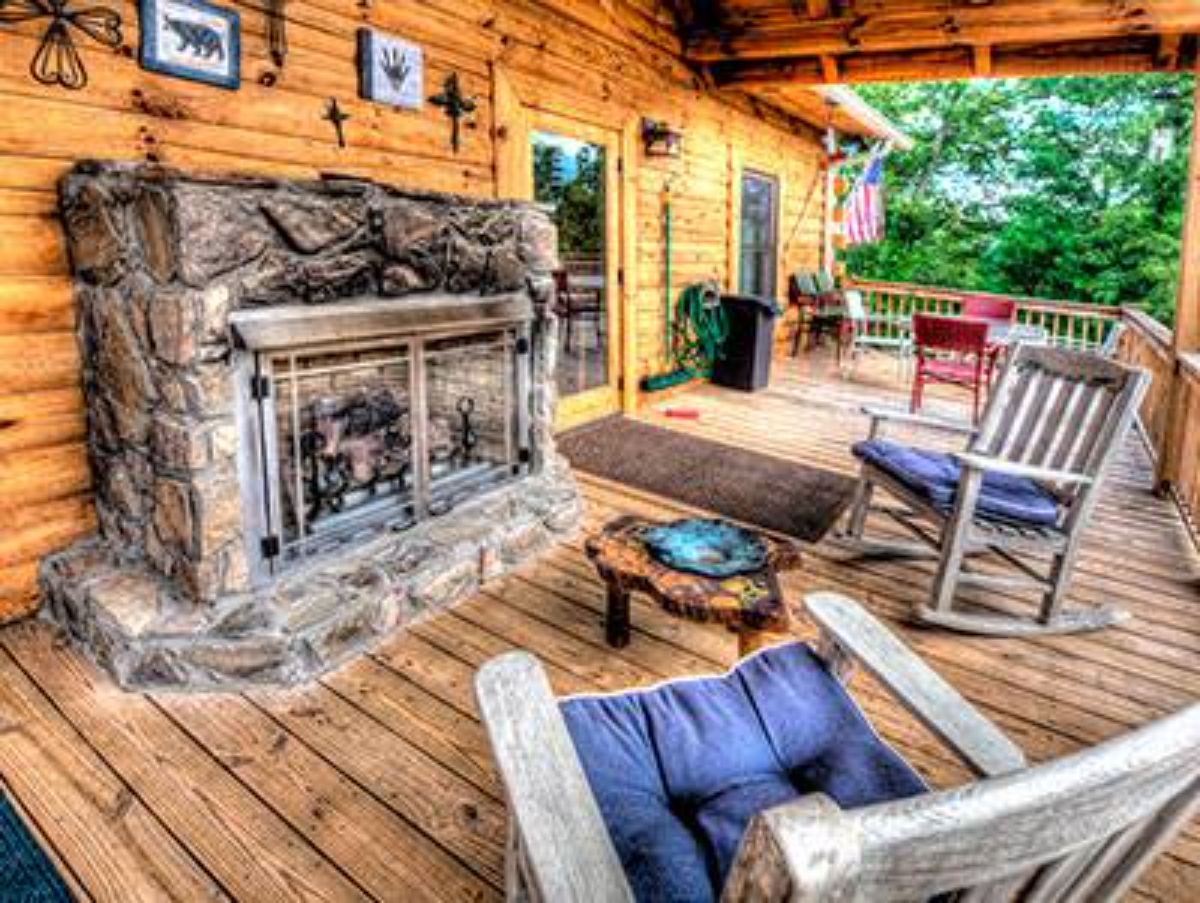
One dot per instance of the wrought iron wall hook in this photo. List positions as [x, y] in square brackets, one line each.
[57, 60]
[456, 105]
[277, 42]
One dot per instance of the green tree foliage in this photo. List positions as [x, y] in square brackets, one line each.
[574, 189]
[1041, 187]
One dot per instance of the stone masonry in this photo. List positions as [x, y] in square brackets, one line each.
[162, 596]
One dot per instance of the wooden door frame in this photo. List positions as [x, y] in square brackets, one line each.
[522, 106]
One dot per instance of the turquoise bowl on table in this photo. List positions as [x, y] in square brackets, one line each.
[710, 548]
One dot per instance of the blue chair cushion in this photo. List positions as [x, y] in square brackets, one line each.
[934, 475]
[679, 770]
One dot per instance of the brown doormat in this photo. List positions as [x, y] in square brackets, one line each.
[742, 485]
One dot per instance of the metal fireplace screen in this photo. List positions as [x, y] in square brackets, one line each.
[380, 436]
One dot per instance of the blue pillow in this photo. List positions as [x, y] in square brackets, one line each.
[935, 476]
[679, 770]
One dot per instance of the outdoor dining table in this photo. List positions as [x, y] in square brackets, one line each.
[1004, 334]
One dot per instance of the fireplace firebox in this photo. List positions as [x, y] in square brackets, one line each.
[317, 412]
[375, 416]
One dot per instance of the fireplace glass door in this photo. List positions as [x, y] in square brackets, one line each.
[344, 444]
[356, 439]
[470, 384]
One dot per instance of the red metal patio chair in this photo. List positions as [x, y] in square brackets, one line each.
[952, 351]
[993, 310]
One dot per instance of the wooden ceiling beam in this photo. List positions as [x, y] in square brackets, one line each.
[1128, 55]
[1001, 22]
[780, 12]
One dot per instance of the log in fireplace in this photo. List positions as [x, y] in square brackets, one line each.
[316, 412]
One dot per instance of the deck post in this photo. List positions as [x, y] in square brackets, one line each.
[1187, 306]
[1187, 313]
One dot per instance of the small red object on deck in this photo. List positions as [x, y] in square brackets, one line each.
[682, 413]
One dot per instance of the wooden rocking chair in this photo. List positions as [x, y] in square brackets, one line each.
[1077, 829]
[1025, 485]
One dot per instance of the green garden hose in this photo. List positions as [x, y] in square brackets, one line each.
[701, 329]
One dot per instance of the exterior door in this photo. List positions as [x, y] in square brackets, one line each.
[576, 175]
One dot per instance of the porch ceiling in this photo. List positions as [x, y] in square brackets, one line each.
[778, 45]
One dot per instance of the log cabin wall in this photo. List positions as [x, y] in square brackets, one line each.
[582, 58]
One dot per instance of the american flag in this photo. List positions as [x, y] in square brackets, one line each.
[864, 209]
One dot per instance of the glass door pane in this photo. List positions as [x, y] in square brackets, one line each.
[569, 178]
[344, 438]
[759, 237]
[470, 390]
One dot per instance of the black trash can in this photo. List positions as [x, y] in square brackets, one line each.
[746, 363]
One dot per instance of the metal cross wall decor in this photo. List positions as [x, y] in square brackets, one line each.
[57, 61]
[456, 105]
[334, 114]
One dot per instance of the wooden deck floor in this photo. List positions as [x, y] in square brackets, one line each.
[376, 781]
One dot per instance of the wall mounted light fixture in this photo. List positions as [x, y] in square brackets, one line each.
[660, 140]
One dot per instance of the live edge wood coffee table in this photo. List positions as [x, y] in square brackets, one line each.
[751, 605]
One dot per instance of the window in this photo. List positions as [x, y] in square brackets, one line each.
[760, 217]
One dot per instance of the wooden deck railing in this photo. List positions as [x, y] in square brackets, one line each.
[1170, 415]
[1069, 324]
[1186, 476]
[1147, 344]
[1171, 411]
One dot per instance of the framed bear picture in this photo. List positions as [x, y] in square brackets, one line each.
[390, 70]
[192, 39]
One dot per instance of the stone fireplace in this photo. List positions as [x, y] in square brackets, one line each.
[317, 411]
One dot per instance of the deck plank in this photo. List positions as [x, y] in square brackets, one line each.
[105, 839]
[339, 817]
[376, 781]
[248, 849]
[455, 813]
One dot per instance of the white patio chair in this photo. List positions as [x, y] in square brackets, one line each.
[866, 331]
[1080, 828]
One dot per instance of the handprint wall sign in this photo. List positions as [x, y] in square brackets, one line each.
[396, 68]
[391, 70]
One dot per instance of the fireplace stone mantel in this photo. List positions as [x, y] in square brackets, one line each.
[175, 276]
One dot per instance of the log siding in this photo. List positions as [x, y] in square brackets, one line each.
[602, 64]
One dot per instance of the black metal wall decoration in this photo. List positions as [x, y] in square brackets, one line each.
[277, 42]
[334, 114]
[57, 60]
[456, 105]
